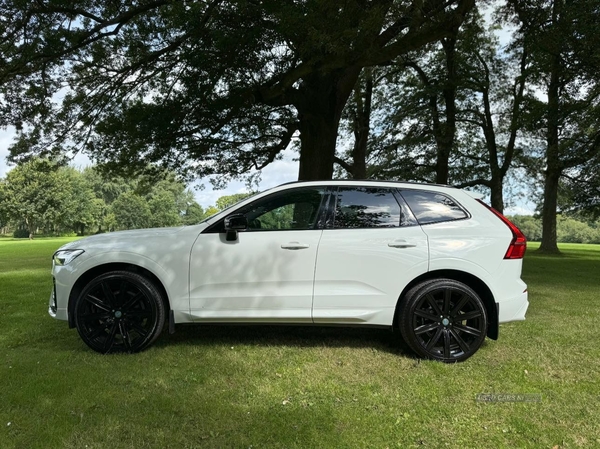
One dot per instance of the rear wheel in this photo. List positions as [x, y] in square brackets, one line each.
[119, 311]
[443, 320]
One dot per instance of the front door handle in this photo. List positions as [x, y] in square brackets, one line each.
[401, 244]
[295, 245]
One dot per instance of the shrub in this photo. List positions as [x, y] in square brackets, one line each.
[21, 234]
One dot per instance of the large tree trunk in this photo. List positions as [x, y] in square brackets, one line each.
[549, 211]
[496, 194]
[322, 100]
[553, 163]
[445, 139]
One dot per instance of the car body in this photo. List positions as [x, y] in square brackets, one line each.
[432, 261]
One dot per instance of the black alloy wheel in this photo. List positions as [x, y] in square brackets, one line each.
[443, 320]
[119, 311]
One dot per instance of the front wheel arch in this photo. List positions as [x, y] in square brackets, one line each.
[96, 271]
[468, 279]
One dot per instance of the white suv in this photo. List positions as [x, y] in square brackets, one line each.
[428, 260]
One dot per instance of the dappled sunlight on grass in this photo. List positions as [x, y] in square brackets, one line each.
[284, 386]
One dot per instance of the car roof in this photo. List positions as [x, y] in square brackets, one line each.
[359, 182]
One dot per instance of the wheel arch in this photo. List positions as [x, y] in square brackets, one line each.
[472, 281]
[90, 274]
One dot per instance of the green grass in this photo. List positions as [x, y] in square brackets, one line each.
[300, 387]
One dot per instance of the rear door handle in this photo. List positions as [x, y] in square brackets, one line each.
[401, 244]
[295, 245]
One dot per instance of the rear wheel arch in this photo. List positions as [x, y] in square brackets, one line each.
[94, 272]
[468, 279]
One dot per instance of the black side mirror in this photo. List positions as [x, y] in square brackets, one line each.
[233, 224]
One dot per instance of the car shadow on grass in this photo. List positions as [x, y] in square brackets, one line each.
[291, 336]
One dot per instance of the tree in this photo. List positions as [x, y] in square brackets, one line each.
[229, 200]
[454, 115]
[131, 211]
[81, 209]
[194, 214]
[34, 195]
[563, 39]
[208, 86]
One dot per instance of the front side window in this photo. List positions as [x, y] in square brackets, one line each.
[432, 207]
[366, 207]
[293, 209]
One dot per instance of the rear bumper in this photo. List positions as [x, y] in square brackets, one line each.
[513, 309]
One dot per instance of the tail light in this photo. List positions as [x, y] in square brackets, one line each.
[518, 245]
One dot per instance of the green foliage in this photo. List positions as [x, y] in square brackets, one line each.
[204, 86]
[530, 226]
[131, 211]
[229, 200]
[193, 214]
[569, 229]
[21, 233]
[35, 194]
[56, 199]
[211, 210]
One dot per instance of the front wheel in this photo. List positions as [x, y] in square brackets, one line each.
[443, 320]
[119, 311]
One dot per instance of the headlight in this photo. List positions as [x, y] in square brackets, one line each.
[66, 256]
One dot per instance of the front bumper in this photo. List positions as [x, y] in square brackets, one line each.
[59, 297]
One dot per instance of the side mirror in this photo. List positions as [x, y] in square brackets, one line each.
[233, 224]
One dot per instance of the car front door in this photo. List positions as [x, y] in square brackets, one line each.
[266, 273]
[374, 249]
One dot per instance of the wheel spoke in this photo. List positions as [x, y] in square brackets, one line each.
[446, 344]
[426, 328]
[434, 339]
[447, 296]
[431, 300]
[459, 306]
[100, 304]
[96, 332]
[125, 334]
[131, 301]
[110, 339]
[426, 315]
[468, 315]
[108, 294]
[140, 313]
[122, 293]
[463, 344]
[468, 330]
[95, 316]
[139, 329]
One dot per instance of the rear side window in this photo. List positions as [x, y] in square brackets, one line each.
[432, 207]
[364, 207]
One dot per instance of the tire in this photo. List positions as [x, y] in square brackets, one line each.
[119, 311]
[443, 320]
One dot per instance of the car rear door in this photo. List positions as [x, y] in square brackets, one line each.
[372, 250]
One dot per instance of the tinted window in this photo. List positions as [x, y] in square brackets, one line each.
[432, 207]
[362, 207]
[292, 209]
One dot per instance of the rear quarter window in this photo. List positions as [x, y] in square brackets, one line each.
[433, 207]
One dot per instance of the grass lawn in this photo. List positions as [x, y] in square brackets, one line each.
[301, 387]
